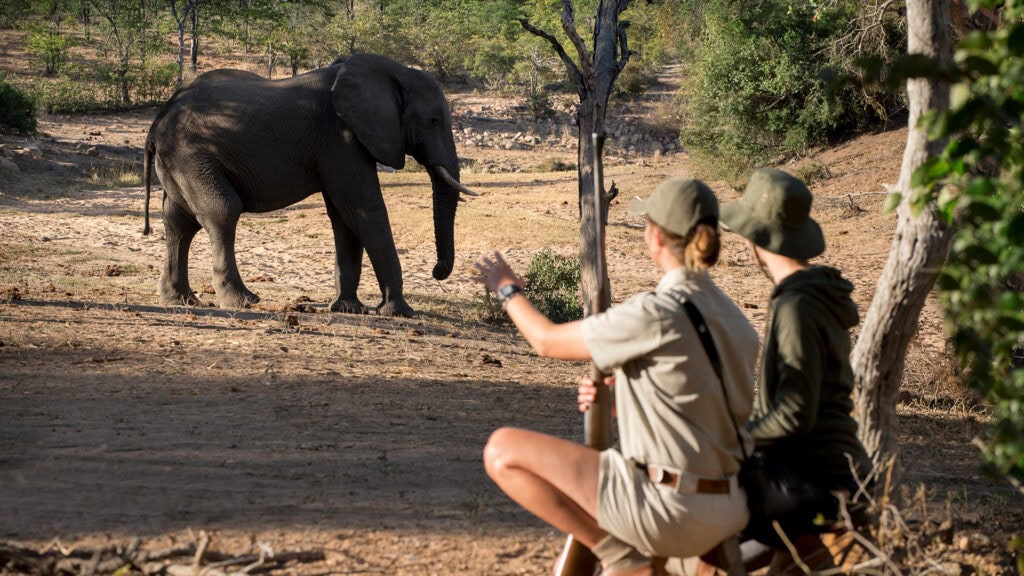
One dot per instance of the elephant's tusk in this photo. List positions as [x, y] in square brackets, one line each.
[453, 182]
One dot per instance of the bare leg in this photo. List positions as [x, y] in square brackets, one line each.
[554, 479]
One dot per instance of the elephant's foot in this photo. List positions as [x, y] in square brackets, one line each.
[235, 298]
[176, 298]
[349, 306]
[396, 308]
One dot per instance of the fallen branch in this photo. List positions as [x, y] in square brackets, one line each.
[107, 561]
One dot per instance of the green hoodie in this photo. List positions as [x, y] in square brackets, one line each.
[803, 410]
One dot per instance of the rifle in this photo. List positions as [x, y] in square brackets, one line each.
[576, 559]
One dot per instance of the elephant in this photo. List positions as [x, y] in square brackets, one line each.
[231, 142]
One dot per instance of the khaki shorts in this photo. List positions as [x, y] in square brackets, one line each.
[658, 521]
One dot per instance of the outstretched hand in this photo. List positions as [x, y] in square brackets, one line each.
[586, 392]
[494, 273]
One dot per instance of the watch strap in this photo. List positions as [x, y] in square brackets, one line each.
[506, 292]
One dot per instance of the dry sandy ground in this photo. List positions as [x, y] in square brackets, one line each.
[357, 436]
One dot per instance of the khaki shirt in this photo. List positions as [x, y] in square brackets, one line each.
[670, 407]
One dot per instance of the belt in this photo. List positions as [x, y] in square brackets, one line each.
[660, 475]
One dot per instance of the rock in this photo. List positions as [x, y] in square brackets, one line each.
[8, 166]
[92, 151]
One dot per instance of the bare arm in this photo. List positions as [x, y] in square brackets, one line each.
[550, 340]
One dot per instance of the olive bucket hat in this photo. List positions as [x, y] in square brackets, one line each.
[677, 205]
[775, 213]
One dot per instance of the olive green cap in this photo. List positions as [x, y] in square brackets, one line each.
[677, 205]
[775, 214]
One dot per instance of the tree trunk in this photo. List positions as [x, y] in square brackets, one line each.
[919, 249]
[593, 77]
[193, 53]
[180, 22]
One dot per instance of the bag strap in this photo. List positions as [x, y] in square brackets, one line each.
[697, 319]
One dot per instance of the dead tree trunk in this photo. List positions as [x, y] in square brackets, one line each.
[593, 76]
[919, 249]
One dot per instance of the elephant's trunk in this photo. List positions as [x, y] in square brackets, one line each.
[446, 201]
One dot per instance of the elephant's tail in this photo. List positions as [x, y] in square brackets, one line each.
[147, 169]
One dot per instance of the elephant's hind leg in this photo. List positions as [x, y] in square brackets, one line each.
[179, 230]
[219, 213]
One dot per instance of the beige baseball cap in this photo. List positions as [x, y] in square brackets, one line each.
[677, 205]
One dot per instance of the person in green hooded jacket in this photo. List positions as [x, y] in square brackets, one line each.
[802, 416]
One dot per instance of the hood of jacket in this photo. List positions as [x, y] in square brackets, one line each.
[827, 286]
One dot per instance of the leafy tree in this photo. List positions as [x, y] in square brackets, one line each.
[128, 23]
[977, 183]
[182, 18]
[50, 44]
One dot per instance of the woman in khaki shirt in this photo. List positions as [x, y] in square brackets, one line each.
[670, 488]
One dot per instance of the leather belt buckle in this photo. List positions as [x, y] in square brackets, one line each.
[658, 475]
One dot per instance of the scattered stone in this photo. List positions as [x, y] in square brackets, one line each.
[92, 151]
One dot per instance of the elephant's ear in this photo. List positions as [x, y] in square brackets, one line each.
[368, 101]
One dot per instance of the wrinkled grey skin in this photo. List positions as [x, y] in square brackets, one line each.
[233, 142]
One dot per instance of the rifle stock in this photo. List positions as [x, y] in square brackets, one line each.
[576, 559]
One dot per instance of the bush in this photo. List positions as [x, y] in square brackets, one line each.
[17, 110]
[634, 80]
[156, 83]
[63, 95]
[553, 286]
[50, 46]
[761, 85]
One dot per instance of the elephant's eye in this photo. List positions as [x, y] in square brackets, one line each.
[435, 122]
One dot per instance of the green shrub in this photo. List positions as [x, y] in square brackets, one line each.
[553, 286]
[634, 80]
[154, 83]
[63, 95]
[760, 85]
[17, 110]
[49, 45]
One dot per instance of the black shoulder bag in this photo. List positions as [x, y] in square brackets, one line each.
[774, 491]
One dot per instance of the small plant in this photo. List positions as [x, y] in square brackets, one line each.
[117, 175]
[552, 164]
[811, 172]
[552, 284]
[17, 110]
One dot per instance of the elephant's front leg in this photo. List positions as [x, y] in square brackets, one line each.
[348, 264]
[179, 230]
[374, 229]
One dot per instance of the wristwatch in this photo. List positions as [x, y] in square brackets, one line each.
[506, 292]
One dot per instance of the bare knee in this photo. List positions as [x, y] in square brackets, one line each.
[498, 455]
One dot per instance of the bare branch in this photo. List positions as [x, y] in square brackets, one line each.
[624, 52]
[569, 25]
[574, 71]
